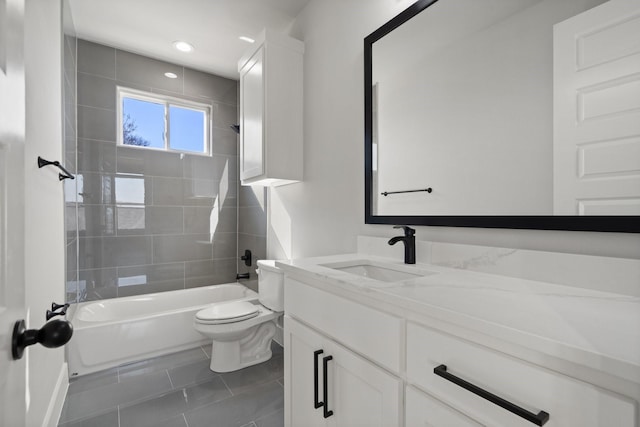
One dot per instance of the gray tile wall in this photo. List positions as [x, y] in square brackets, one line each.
[149, 220]
[252, 228]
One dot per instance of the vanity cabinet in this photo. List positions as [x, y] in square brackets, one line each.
[385, 366]
[271, 111]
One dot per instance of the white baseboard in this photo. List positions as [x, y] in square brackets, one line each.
[52, 417]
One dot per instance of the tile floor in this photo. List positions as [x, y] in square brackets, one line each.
[178, 390]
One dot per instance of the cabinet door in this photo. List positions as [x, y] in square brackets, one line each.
[358, 392]
[252, 117]
[361, 394]
[302, 382]
[423, 410]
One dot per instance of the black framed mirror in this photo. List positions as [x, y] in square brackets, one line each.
[435, 77]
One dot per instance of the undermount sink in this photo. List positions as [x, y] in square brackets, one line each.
[376, 271]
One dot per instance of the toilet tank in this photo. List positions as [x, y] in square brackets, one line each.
[270, 285]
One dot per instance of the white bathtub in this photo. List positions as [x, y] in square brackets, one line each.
[111, 332]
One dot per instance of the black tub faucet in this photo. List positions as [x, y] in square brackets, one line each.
[409, 240]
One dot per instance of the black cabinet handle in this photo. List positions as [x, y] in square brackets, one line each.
[325, 385]
[538, 419]
[316, 402]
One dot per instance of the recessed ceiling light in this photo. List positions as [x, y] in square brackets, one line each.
[247, 39]
[182, 46]
[171, 75]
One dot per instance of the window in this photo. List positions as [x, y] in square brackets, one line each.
[162, 122]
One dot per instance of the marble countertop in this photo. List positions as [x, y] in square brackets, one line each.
[594, 329]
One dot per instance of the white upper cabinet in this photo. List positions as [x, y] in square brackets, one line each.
[271, 111]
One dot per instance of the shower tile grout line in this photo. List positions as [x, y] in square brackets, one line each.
[184, 264]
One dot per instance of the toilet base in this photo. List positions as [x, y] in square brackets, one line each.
[254, 348]
[224, 366]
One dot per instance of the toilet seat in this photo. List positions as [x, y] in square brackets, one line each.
[231, 312]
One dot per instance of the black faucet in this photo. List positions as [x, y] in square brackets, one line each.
[409, 240]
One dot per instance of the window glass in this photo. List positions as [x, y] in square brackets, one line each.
[142, 123]
[163, 122]
[187, 129]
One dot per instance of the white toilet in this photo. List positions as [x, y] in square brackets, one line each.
[242, 330]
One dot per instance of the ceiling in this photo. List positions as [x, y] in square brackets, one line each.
[150, 27]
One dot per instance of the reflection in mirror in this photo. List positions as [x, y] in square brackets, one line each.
[460, 99]
[130, 204]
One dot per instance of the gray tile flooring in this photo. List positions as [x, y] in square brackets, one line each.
[178, 390]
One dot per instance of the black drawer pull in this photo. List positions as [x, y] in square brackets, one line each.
[316, 402]
[538, 419]
[325, 384]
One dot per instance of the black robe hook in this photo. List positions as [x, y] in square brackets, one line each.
[42, 162]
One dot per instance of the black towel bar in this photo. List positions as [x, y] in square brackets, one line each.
[386, 193]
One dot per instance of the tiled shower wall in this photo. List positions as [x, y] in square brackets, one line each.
[252, 229]
[151, 221]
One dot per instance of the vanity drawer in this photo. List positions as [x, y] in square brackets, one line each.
[370, 332]
[568, 402]
[424, 410]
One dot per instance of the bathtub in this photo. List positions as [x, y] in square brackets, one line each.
[108, 333]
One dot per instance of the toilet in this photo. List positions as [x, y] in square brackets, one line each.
[242, 330]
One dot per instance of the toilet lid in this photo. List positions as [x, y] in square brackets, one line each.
[228, 312]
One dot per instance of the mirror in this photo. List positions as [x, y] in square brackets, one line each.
[460, 128]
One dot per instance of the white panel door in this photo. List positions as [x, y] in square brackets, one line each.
[252, 117]
[597, 111]
[12, 138]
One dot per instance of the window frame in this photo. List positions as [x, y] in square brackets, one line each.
[167, 101]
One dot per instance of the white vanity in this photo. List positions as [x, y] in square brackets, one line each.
[426, 345]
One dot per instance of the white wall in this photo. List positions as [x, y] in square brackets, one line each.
[44, 236]
[325, 213]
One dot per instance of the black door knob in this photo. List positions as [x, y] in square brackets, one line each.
[53, 334]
